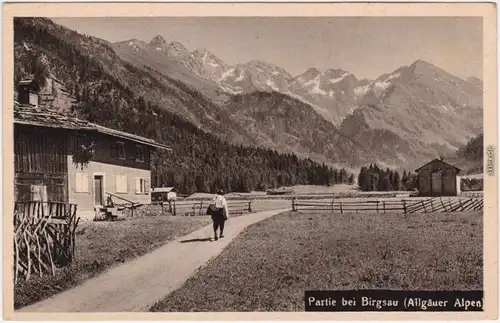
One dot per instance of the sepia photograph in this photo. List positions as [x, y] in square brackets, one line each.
[250, 163]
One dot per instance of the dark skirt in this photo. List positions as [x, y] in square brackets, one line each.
[218, 216]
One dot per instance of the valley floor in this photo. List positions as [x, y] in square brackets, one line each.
[273, 262]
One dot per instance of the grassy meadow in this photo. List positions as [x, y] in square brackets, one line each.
[270, 265]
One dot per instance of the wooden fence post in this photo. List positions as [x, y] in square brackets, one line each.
[294, 207]
[432, 205]
[404, 206]
[341, 211]
[201, 208]
[250, 206]
[377, 205]
[423, 205]
[162, 213]
[383, 203]
[332, 204]
[444, 207]
[175, 209]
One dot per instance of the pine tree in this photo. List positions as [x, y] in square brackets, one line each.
[396, 181]
[362, 179]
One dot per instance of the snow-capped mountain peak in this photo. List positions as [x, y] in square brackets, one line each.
[176, 50]
[158, 42]
[334, 92]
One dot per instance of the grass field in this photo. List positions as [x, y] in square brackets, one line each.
[101, 245]
[273, 262]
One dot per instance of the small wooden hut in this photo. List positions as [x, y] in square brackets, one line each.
[438, 178]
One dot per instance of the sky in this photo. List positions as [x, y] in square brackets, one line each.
[364, 46]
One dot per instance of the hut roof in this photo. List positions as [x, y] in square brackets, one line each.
[163, 189]
[437, 160]
[29, 83]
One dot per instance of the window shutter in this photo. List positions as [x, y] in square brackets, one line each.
[44, 193]
[35, 195]
[77, 182]
[81, 183]
[84, 182]
[146, 186]
[38, 192]
[137, 185]
[117, 184]
[121, 184]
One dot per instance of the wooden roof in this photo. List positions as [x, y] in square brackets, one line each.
[44, 117]
[163, 189]
[440, 161]
[29, 83]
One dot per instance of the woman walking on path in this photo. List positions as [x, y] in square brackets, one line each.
[218, 211]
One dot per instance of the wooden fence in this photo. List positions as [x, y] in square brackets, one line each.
[44, 237]
[384, 206]
[472, 194]
[191, 208]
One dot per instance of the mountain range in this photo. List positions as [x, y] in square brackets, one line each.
[400, 119]
[413, 113]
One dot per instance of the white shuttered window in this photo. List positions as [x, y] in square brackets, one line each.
[81, 183]
[141, 186]
[121, 183]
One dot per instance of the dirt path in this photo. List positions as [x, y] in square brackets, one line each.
[137, 285]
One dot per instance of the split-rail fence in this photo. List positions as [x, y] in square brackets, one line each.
[198, 208]
[384, 206]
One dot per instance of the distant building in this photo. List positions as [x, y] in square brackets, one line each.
[65, 159]
[438, 178]
[163, 194]
[280, 191]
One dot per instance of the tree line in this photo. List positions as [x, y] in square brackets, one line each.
[471, 184]
[473, 150]
[374, 178]
[198, 162]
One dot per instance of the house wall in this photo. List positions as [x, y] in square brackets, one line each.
[45, 168]
[424, 182]
[450, 182]
[83, 195]
[106, 151]
[449, 179]
[40, 164]
[107, 163]
[164, 196]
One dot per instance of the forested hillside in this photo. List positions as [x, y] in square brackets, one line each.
[272, 117]
[470, 157]
[473, 150]
[199, 161]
